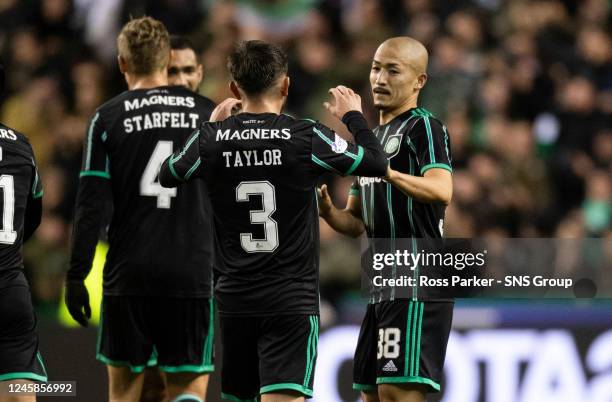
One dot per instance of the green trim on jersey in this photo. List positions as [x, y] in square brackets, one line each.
[357, 161]
[324, 165]
[384, 137]
[38, 195]
[193, 168]
[432, 154]
[411, 220]
[356, 158]
[446, 143]
[410, 144]
[286, 386]
[90, 140]
[171, 166]
[436, 166]
[97, 173]
[174, 159]
[408, 380]
[311, 348]
[422, 112]
[233, 398]
[186, 147]
[323, 136]
[36, 179]
[392, 226]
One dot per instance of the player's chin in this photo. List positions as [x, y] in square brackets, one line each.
[379, 104]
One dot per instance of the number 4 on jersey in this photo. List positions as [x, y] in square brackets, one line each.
[149, 183]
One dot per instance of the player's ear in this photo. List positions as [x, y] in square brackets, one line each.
[285, 86]
[200, 72]
[421, 80]
[234, 88]
[122, 64]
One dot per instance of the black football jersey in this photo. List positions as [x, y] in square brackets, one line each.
[20, 189]
[414, 142]
[159, 238]
[261, 172]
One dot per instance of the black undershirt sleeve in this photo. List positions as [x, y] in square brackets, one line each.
[92, 199]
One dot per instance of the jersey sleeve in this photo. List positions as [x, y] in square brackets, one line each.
[37, 187]
[93, 195]
[95, 157]
[332, 153]
[33, 212]
[432, 145]
[184, 165]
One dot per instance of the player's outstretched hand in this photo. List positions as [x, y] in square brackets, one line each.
[324, 200]
[77, 300]
[225, 109]
[345, 100]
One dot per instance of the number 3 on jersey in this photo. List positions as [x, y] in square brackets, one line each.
[244, 190]
[149, 183]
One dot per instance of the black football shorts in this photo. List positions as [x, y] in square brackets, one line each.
[402, 342]
[174, 334]
[19, 356]
[268, 354]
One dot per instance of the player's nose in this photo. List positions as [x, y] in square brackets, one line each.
[182, 79]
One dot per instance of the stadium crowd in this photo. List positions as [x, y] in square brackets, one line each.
[525, 88]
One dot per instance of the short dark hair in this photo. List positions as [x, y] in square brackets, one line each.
[178, 42]
[256, 65]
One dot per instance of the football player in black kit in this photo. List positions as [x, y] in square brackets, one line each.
[20, 213]
[402, 344]
[261, 168]
[184, 67]
[157, 307]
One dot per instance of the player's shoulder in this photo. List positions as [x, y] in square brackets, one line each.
[13, 139]
[424, 121]
[304, 125]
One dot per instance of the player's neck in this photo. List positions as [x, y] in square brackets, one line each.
[261, 106]
[153, 80]
[386, 115]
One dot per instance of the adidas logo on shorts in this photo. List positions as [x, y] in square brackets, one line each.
[389, 366]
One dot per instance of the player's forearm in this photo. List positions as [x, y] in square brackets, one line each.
[343, 221]
[168, 176]
[182, 166]
[424, 189]
[88, 217]
[374, 160]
